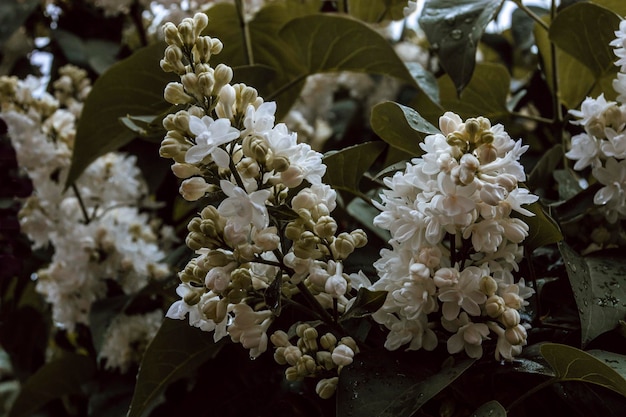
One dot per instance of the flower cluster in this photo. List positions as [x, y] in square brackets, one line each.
[101, 239]
[602, 145]
[265, 235]
[314, 356]
[454, 243]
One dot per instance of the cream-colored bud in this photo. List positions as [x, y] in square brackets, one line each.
[205, 83]
[292, 354]
[184, 170]
[195, 241]
[507, 181]
[171, 148]
[306, 365]
[280, 163]
[487, 154]
[175, 94]
[326, 388]
[488, 285]
[325, 227]
[190, 82]
[328, 341]
[513, 300]
[193, 189]
[342, 355]
[255, 147]
[280, 338]
[359, 237]
[248, 96]
[279, 356]
[216, 46]
[510, 317]
[342, 246]
[267, 239]
[494, 306]
[223, 75]
[244, 252]
[192, 298]
[516, 335]
[350, 342]
[325, 359]
[310, 339]
[248, 168]
[472, 127]
[291, 374]
[301, 328]
[171, 34]
[227, 97]
[200, 21]
[202, 50]
[186, 32]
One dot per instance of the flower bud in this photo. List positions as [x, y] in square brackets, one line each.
[488, 285]
[223, 75]
[494, 306]
[200, 21]
[325, 359]
[206, 81]
[510, 317]
[291, 374]
[280, 163]
[446, 277]
[186, 32]
[359, 237]
[279, 356]
[255, 147]
[301, 328]
[280, 338]
[194, 188]
[248, 168]
[325, 227]
[310, 339]
[326, 388]
[175, 94]
[292, 354]
[306, 366]
[171, 34]
[182, 170]
[516, 335]
[342, 246]
[328, 341]
[342, 355]
[348, 341]
[513, 300]
[192, 298]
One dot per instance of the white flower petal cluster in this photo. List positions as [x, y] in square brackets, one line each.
[454, 244]
[602, 145]
[99, 235]
[268, 236]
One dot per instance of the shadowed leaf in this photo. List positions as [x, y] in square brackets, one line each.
[346, 167]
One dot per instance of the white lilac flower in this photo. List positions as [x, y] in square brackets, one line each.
[620, 46]
[210, 134]
[612, 197]
[250, 328]
[469, 336]
[585, 150]
[259, 121]
[242, 208]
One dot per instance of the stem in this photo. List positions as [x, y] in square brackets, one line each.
[81, 203]
[532, 117]
[531, 14]
[285, 87]
[135, 15]
[315, 304]
[245, 29]
[530, 392]
[533, 278]
[558, 111]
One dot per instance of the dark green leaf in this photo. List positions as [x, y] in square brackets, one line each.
[366, 303]
[485, 95]
[571, 364]
[401, 126]
[13, 13]
[99, 54]
[577, 206]
[133, 86]
[598, 285]
[490, 409]
[543, 230]
[64, 376]
[615, 361]
[541, 174]
[569, 186]
[425, 79]
[453, 28]
[377, 10]
[584, 31]
[617, 6]
[412, 399]
[364, 213]
[283, 212]
[345, 168]
[176, 352]
[522, 26]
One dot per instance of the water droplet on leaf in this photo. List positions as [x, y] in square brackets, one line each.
[456, 34]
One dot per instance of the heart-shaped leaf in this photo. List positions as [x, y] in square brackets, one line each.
[366, 303]
[490, 409]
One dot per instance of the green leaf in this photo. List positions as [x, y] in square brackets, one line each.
[543, 229]
[176, 351]
[412, 399]
[576, 81]
[99, 54]
[490, 409]
[577, 206]
[571, 364]
[541, 174]
[569, 186]
[364, 213]
[453, 28]
[375, 11]
[326, 43]
[401, 127]
[485, 95]
[64, 376]
[584, 31]
[617, 6]
[133, 86]
[425, 79]
[597, 282]
[13, 13]
[383, 383]
[366, 303]
[346, 167]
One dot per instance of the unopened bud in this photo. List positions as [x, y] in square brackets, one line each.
[175, 94]
[516, 335]
[342, 355]
[200, 21]
[223, 75]
[325, 227]
[326, 388]
[494, 306]
[510, 317]
[185, 29]
[280, 338]
[488, 285]
[328, 341]
[171, 34]
[306, 366]
[184, 170]
[310, 339]
[194, 188]
[325, 359]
